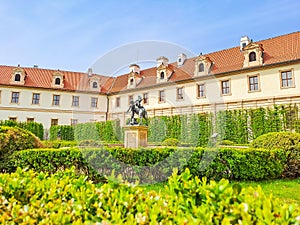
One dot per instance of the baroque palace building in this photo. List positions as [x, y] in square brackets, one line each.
[251, 75]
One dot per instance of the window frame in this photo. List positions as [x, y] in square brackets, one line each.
[252, 56]
[57, 79]
[19, 76]
[201, 91]
[250, 84]
[146, 98]
[223, 93]
[74, 122]
[35, 100]
[161, 98]
[179, 94]
[118, 102]
[130, 98]
[75, 101]
[15, 97]
[56, 100]
[292, 79]
[201, 67]
[94, 102]
[53, 122]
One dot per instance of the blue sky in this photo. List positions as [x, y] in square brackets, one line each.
[73, 34]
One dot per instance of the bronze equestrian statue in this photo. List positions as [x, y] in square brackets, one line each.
[135, 107]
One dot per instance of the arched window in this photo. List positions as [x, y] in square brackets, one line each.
[179, 60]
[95, 84]
[57, 81]
[17, 77]
[162, 75]
[252, 57]
[131, 81]
[201, 67]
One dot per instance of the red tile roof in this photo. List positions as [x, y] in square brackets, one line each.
[278, 49]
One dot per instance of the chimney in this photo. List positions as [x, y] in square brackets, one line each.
[90, 72]
[134, 68]
[245, 40]
[162, 60]
[35, 66]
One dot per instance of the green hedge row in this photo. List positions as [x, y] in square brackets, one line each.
[36, 128]
[153, 165]
[239, 126]
[27, 197]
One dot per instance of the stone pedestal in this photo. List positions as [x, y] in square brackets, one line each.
[135, 136]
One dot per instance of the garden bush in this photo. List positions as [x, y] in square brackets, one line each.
[59, 144]
[156, 164]
[170, 142]
[288, 141]
[14, 139]
[27, 197]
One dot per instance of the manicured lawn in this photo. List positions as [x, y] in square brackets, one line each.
[286, 190]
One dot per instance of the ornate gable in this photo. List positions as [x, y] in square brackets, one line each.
[94, 83]
[134, 79]
[18, 76]
[253, 54]
[203, 65]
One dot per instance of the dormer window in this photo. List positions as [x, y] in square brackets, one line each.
[201, 67]
[95, 84]
[162, 75]
[252, 56]
[18, 77]
[131, 81]
[58, 80]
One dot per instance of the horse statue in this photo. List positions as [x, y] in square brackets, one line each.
[137, 108]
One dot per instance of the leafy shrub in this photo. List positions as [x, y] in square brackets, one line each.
[170, 142]
[36, 128]
[90, 143]
[156, 164]
[15, 139]
[288, 141]
[67, 198]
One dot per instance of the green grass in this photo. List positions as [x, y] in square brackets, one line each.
[288, 191]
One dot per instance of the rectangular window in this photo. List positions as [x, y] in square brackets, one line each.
[179, 93]
[200, 90]
[56, 99]
[35, 98]
[29, 119]
[74, 122]
[287, 79]
[75, 100]
[94, 102]
[146, 98]
[15, 97]
[118, 102]
[0, 96]
[225, 87]
[253, 83]
[12, 118]
[54, 122]
[161, 97]
[130, 99]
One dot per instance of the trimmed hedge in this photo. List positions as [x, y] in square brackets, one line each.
[14, 139]
[65, 198]
[153, 165]
[289, 142]
[36, 128]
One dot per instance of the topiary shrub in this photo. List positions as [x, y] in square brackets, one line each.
[170, 142]
[14, 139]
[288, 141]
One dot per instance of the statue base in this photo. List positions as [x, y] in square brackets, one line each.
[135, 136]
